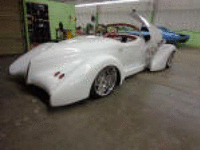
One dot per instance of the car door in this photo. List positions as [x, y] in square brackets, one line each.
[132, 54]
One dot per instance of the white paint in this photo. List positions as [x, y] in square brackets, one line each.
[178, 14]
[179, 19]
[81, 59]
[160, 58]
[112, 13]
[178, 4]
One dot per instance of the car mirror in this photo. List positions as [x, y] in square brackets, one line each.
[147, 37]
[124, 39]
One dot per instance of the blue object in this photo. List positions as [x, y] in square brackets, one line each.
[169, 36]
[172, 37]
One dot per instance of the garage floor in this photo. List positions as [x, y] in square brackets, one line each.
[151, 111]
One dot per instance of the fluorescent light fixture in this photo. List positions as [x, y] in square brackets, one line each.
[106, 3]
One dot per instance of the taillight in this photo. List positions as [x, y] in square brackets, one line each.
[61, 76]
[57, 73]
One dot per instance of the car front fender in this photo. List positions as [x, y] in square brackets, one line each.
[159, 60]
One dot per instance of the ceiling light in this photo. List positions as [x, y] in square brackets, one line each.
[106, 3]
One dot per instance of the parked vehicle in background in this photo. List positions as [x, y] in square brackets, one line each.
[172, 37]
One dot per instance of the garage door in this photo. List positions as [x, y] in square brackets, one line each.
[11, 37]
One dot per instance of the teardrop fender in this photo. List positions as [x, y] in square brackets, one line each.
[159, 60]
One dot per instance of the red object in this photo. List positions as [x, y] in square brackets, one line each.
[35, 44]
[122, 24]
[120, 36]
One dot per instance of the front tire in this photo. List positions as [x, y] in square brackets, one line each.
[105, 82]
[170, 60]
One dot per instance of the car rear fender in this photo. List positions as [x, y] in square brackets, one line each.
[20, 66]
[77, 85]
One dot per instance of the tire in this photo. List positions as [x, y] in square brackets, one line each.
[105, 82]
[147, 58]
[170, 60]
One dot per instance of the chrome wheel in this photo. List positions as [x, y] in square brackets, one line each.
[170, 60]
[105, 82]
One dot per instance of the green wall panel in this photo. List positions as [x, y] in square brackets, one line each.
[57, 12]
[194, 40]
[152, 16]
[61, 12]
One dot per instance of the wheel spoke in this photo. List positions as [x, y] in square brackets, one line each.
[106, 81]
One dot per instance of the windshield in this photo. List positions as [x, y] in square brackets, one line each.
[136, 25]
[116, 28]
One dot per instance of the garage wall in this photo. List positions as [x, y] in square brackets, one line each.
[178, 5]
[179, 19]
[122, 17]
[175, 14]
[112, 13]
[184, 15]
[59, 12]
[11, 36]
[121, 12]
[83, 15]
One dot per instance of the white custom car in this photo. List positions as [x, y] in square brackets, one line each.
[75, 69]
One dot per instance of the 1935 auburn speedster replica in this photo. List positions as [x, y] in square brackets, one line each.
[75, 69]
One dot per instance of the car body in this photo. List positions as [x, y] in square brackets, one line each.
[169, 36]
[73, 69]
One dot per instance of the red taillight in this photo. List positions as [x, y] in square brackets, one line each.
[61, 76]
[57, 73]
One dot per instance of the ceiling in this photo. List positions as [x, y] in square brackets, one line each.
[162, 4]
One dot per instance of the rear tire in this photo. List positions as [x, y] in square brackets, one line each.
[170, 60]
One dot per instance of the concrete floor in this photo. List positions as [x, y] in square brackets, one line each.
[150, 111]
